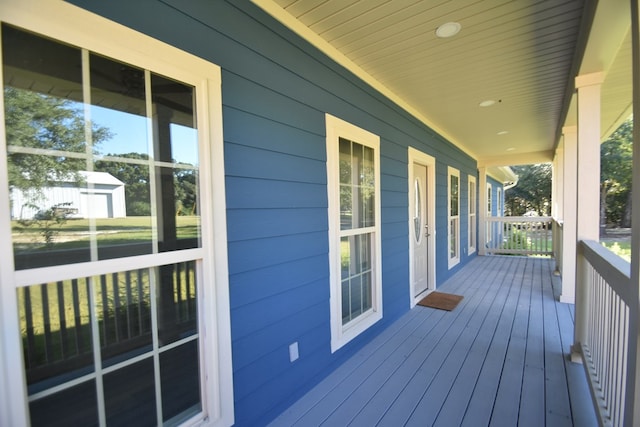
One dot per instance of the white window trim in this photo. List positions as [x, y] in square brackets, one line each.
[67, 23]
[472, 216]
[455, 260]
[489, 193]
[341, 335]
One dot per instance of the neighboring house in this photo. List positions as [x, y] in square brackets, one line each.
[100, 195]
[326, 209]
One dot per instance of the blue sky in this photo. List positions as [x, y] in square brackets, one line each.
[129, 135]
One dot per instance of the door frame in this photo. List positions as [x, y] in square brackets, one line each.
[417, 156]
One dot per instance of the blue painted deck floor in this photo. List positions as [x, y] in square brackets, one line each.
[499, 359]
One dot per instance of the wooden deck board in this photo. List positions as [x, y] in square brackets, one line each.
[500, 358]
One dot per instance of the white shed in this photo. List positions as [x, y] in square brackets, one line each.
[100, 196]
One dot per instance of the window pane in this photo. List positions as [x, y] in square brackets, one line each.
[118, 108]
[123, 306]
[174, 121]
[75, 406]
[453, 190]
[346, 207]
[56, 332]
[44, 127]
[345, 161]
[453, 238]
[177, 200]
[356, 276]
[176, 294]
[357, 185]
[129, 395]
[76, 203]
[180, 379]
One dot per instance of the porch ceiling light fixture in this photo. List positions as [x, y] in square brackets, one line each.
[511, 149]
[503, 132]
[448, 29]
[487, 103]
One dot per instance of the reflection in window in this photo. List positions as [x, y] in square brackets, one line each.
[454, 216]
[127, 187]
[57, 321]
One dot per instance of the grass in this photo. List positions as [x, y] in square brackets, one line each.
[621, 248]
[75, 233]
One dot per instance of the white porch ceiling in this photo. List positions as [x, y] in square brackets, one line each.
[522, 54]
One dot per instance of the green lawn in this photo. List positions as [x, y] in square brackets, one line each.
[76, 233]
[621, 248]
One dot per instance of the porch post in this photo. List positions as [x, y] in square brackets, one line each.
[557, 185]
[633, 369]
[482, 210]
[587, 194]
[569, 214]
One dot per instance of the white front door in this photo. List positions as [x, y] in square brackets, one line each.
[420, 230]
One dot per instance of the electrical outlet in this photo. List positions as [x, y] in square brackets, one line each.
[293, 352]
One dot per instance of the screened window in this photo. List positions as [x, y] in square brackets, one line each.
[473, 224]
[454, 216]
[103, 162]
[355, 226]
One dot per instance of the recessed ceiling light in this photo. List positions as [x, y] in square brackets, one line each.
[510, 149]
[503, 132]
[487, 103]
[449, 29]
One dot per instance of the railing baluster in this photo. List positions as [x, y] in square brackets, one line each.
[178, 290]
[31, 340]
[129, 302]
[105, 310]
[46, 320]
[141, 328]
[116, 305]
[62, 320]
[77, 318]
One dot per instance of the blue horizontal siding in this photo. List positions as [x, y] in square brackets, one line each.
[257, 285]
[276, 89]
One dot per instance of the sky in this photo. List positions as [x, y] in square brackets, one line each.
[129, 135]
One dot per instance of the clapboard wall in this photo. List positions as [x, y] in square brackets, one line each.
[276, 89]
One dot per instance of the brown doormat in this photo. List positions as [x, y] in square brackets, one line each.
[441, 301]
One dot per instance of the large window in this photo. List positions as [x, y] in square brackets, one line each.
[454, 216]
[473, 223]
[354, 227]
[107, 209]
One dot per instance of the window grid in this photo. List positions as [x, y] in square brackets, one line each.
[472, 214]
[454, 216]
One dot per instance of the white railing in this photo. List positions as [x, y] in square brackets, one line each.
[518, 235]
[557, 230]
[607, 331]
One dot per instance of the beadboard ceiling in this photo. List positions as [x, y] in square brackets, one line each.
[523, 54]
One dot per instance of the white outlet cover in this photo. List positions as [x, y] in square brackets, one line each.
[293, 352]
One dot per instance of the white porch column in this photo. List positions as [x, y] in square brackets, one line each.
[569, 213]
[587, 194]
[633, 373]
[482, 210]
[557, 185]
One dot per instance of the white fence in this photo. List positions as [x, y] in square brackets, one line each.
[607, 326]
[519, 235]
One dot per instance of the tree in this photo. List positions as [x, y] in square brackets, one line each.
[136, 179]
[533, 192]
[615, 177]
[38, 121]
